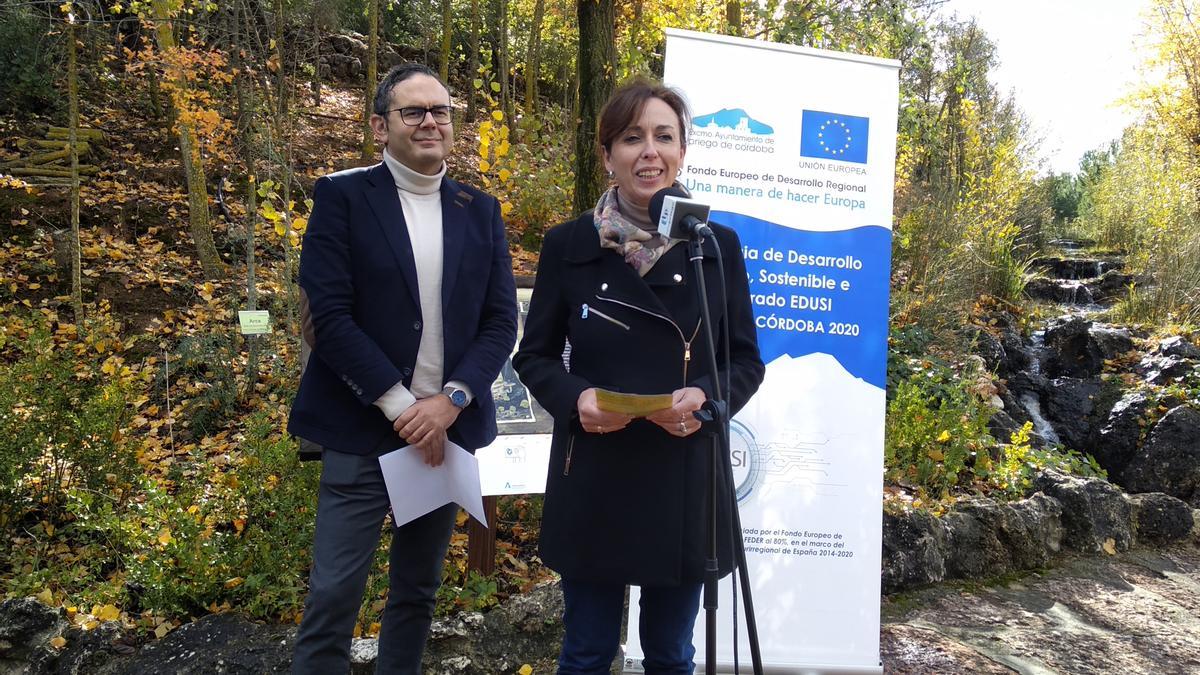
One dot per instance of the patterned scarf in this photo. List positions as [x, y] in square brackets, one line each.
[641, 249]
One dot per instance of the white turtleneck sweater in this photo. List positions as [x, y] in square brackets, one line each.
[421, 200]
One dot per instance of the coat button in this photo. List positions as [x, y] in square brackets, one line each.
[678, 278]
[406, 371]
[416, 325]
[604, 287]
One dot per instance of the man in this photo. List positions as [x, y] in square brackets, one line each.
[409, 285]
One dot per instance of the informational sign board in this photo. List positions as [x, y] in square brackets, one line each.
[515, 463]
[794, 148]
[254, 322]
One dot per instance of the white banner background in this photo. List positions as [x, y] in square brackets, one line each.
[808, 450]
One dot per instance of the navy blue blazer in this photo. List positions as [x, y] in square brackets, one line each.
[358, 273]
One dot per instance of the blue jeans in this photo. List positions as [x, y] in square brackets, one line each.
[592, 623]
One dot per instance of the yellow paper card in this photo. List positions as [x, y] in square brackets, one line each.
[638, 405]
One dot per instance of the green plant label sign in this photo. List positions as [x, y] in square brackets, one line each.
[255, 322]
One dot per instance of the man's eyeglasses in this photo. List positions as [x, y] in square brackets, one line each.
[414, 116]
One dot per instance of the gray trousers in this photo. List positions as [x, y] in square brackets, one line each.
[351, 506]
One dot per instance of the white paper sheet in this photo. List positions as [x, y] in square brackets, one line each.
[514, 464]
[415, 488]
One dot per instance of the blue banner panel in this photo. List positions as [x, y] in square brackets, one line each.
[823, 292]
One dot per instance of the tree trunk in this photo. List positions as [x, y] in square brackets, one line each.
[733, 17]
[281, 89]
[193, 165]
[506, 94]
[315, 84]
[447, 29]
[368, 143]
[597, 64]
[473, 61]
[73, 148]
[533, 56]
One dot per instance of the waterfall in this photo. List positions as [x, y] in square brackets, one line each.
[1040, 424]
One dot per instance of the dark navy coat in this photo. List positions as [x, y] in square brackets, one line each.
[629, 506]
[360, 279]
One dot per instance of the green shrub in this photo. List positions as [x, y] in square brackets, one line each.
[205, 362]
[1020, 462]
[935, 430]
[1143, 204]
[240, 537]
[29, 59]
[63, 408]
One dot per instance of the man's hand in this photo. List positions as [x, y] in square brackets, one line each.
[678, 419]
[595, 420]
[424, 425]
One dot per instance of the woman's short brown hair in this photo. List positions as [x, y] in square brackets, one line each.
[625, 105]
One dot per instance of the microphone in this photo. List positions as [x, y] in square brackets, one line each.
[679, 216]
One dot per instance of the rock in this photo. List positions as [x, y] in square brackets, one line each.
[344, 66]
[526, 629]
[1073, 268]
[1160, 519]
[1002, 426]
[1093, 511]
[346, 44]
[973, 547]
[1116, 442]
[364, 652]
[985, 539]
[26, 627]
[1033, 531]
[218, 643]
[1072, 350]
[989, 348]
[1110, 286]
[1161, 369]
[1077, 348]
[1063, 291]
[1177, 345]
[1070, 407]
[91, 652]
[1169, 460]
[914, 544]
[1112, 341]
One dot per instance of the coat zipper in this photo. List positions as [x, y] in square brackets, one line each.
[570, 451]
[586, 311]
[687, 342]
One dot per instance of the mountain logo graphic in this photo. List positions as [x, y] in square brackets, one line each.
[734, 119]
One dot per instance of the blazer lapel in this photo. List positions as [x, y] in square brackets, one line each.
[454, 225]
[385, 203]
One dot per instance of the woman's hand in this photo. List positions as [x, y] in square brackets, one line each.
[596, 421]
[678, 419]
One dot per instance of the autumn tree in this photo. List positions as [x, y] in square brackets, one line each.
[596, 63]
[177, 63]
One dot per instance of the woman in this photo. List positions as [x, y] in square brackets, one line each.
[625, 497]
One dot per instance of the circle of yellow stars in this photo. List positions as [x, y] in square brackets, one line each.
[845, 129]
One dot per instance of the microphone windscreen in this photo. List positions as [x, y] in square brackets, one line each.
[656, 202]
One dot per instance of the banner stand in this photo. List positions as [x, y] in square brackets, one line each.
[794, 148]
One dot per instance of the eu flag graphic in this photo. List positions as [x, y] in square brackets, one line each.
[826, 135]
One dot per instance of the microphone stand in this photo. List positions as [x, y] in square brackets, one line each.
[716, 410]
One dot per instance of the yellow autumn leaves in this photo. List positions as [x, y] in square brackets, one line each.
[494, 159]
[287, 225]
[87, 620]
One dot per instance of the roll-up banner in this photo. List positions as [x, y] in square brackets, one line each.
[795, 149]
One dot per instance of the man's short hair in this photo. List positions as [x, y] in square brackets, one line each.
[398, 74]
